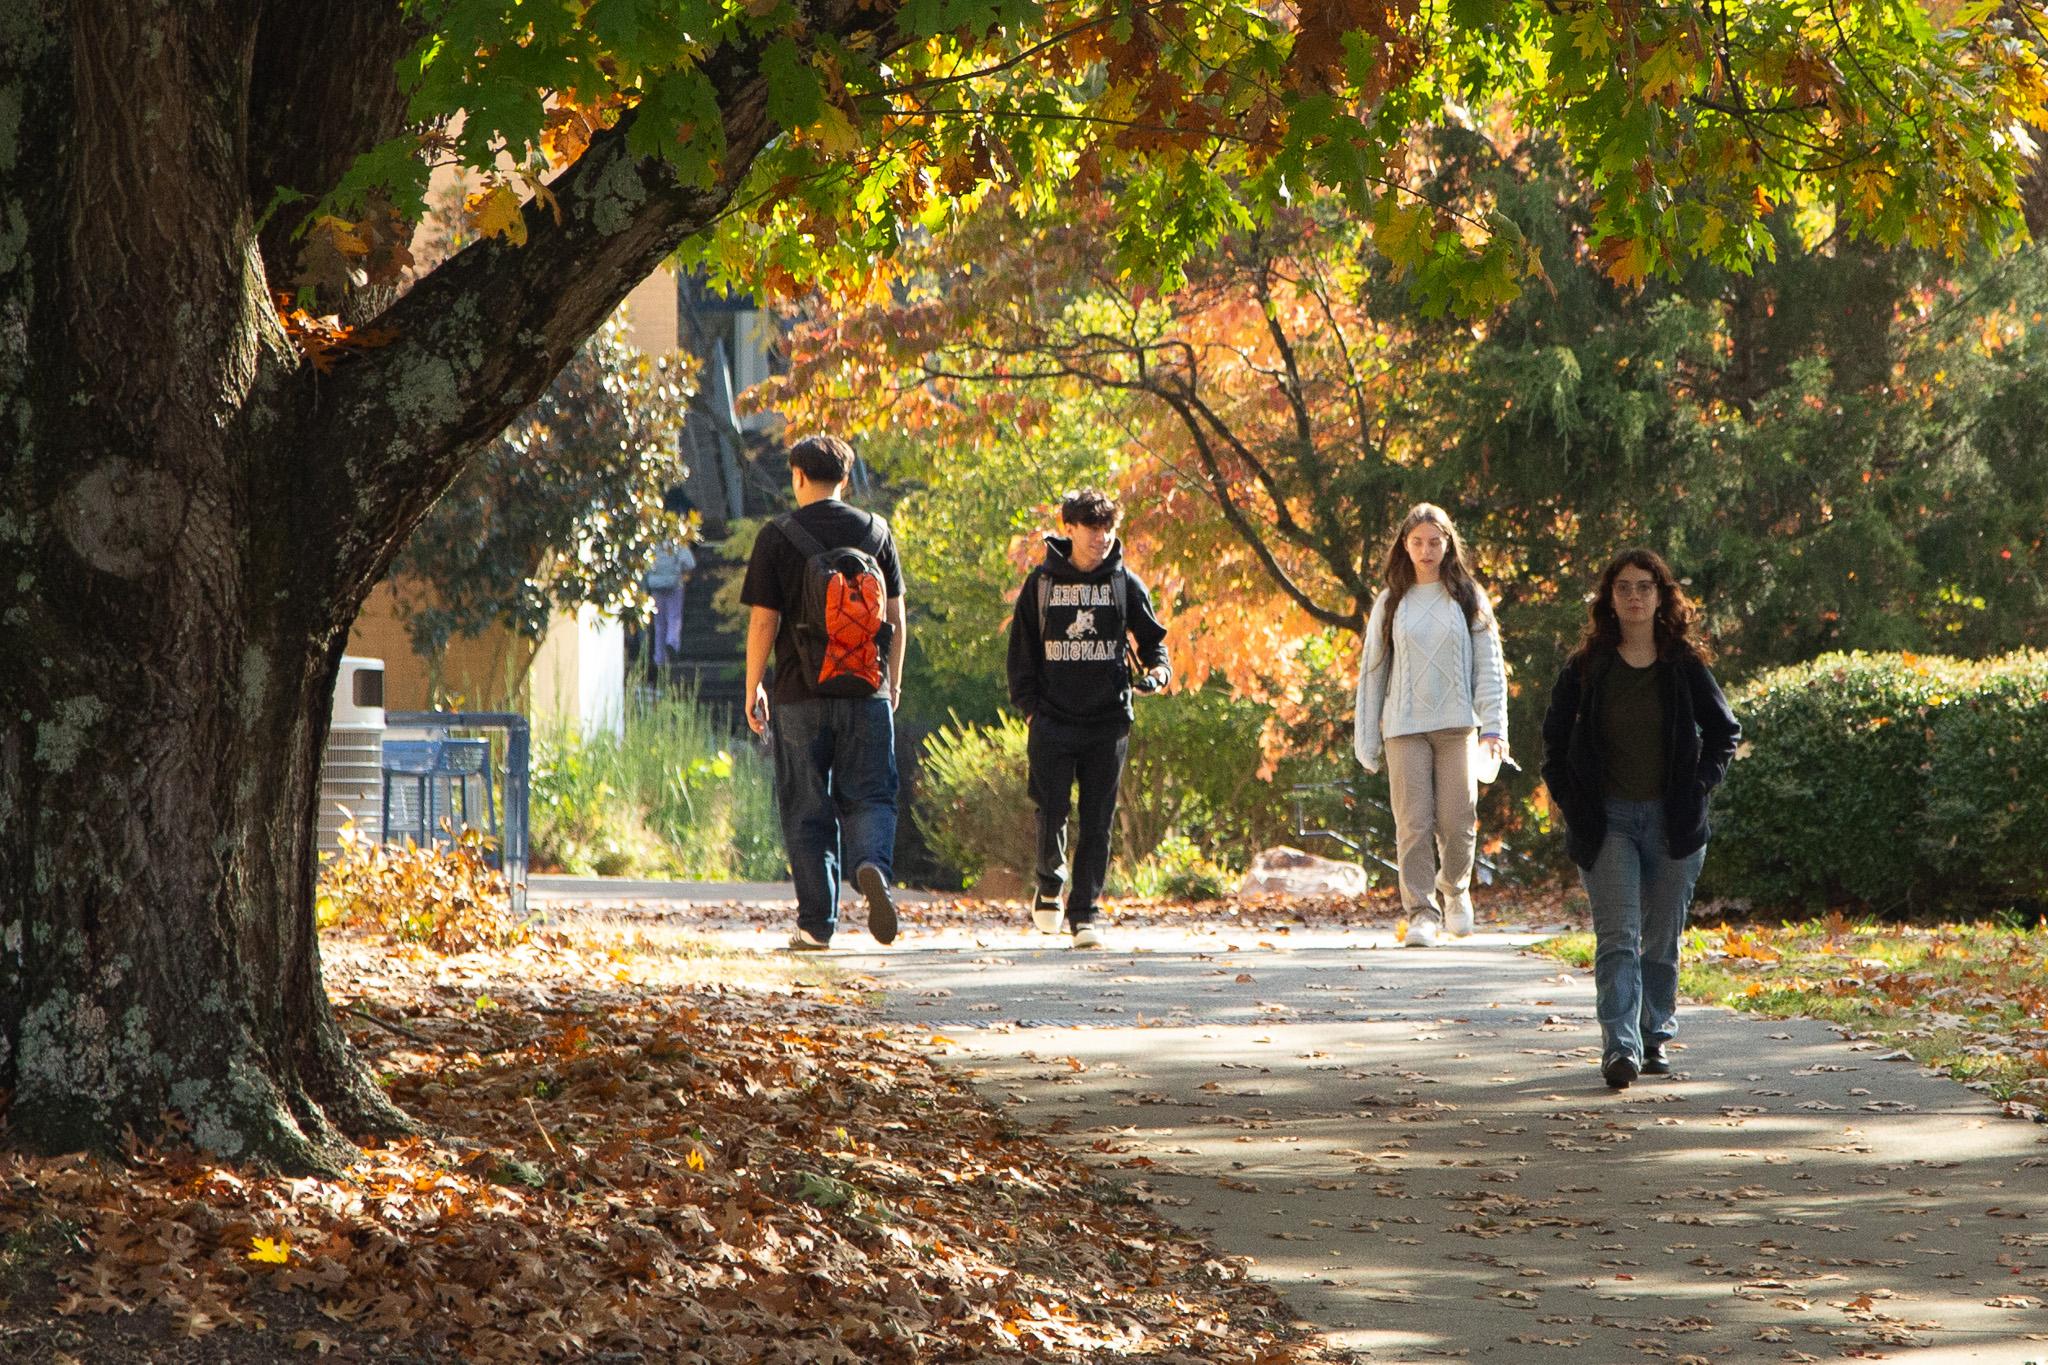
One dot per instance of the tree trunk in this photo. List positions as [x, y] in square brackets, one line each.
[191, 517]
[169, 642]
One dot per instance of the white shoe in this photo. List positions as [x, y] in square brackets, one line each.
[1046, 915]
[1459, 922]
[1087, 937]
[1422, 933]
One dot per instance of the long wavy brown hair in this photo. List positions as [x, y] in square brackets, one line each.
[1455, 573]
[1676, 614]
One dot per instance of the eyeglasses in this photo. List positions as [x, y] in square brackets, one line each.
[1635, 589]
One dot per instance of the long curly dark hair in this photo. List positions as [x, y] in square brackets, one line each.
[1455, 572]
[1676, 614]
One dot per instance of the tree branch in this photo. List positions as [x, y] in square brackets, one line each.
[1219, 492]
[312, 112]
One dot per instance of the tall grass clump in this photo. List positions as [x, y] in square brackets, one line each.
[678, 795]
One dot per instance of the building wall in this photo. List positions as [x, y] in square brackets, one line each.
[481, 674]
[579, 673]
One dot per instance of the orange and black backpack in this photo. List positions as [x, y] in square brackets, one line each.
[841, 630]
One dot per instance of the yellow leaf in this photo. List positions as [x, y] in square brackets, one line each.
[544, 196]
[270, 1251]
[695, 1160]
[1589, 33]
[835, 132]
[495, 213]
[1669, 69]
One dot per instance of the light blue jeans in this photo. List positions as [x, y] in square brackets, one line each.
[1640, 894]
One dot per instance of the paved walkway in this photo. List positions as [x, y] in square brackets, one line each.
[1416, 1148]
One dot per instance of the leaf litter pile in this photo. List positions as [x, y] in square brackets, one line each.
[624, 1161]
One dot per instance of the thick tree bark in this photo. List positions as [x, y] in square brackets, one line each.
[190, 518]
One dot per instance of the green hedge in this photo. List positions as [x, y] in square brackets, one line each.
[1893, 780]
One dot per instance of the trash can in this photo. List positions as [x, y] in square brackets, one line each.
[352, 765]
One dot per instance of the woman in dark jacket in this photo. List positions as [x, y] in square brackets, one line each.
[1636, 736]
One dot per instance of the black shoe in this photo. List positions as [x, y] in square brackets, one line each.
[1656, 1061]
[1619, 1070]
[881, 910]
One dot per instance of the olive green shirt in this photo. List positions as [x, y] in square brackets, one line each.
[1632, 732]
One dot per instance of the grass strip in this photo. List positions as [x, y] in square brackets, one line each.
[1970, 999]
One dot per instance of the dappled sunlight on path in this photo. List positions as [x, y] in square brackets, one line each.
[1417, 1148]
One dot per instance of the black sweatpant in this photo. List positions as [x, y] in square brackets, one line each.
[1061, 755]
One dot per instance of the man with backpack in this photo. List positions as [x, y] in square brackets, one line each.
[1071, 674]
[827, 595]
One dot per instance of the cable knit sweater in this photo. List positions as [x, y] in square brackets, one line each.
[1444, 674]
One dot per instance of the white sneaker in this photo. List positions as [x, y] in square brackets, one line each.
[1087, 937]
[1422, 933]
[1459, 922]
[1046, 914]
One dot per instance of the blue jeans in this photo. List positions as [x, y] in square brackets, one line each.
[835, 788]
[1640, 894]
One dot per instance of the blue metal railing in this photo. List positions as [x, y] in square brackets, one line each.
[430, 771]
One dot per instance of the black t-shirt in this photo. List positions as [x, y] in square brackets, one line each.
[775, 579]
[1632, 731]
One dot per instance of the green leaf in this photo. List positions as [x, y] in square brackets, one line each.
[795, 97]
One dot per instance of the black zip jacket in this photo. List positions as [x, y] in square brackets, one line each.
[1074, 671]
[1700, 735]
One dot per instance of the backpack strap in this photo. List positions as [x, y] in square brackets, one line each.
[806, 544]
[878, 535]
[1044, 598]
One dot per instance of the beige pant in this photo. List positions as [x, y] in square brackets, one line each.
[1435, 823]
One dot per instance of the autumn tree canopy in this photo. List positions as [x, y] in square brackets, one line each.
[224, 414]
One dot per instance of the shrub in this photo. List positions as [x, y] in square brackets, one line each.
[1192, 773]
[1987, 784]
[1894, 780]
[446, 896]
[974, 805]
[675, 796]
[1194, 770]
[1177, 869]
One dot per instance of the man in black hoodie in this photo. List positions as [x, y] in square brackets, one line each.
[1069, 676]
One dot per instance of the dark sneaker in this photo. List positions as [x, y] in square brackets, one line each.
[1619, 1070]
[881, 910]
[1656, 1061]
[1087, 936]
[804, 941]
[1046, 914]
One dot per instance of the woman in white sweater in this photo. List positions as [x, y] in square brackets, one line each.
[1432, 692]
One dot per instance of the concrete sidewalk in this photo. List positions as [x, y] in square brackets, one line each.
[1417, 1149]
[606, 891]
